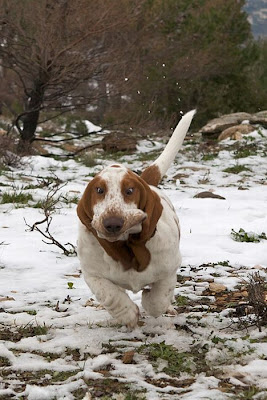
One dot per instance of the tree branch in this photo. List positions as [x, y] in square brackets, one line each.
[48, 207]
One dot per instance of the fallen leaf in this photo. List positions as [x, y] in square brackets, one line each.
[128, 357]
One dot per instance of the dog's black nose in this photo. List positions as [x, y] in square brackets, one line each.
[113, 224]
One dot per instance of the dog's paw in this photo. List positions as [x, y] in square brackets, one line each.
[131, 317]
[171, 311]
[153, 305]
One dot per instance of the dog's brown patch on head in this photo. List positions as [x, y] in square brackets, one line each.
[94, 192]
[131, 188]
[151, 175]
[115, 166]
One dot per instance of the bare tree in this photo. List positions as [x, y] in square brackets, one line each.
[54, 48]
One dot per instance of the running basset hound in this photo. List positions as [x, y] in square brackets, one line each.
[129, 236]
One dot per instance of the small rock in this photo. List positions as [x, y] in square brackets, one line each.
[260, 118]
[119, 141]
[236, 132]
[206, 195]
[237, 136]
[218, 125]
[259, 267]
[209, 280]
[180, 176]
[239, 294]
[217, 287]
[87, 396]
[192, 168]
[7, 298]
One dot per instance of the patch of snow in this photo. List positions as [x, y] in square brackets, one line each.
[34, 278]
[91, 127]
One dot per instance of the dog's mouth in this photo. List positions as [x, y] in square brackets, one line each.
[114, 228]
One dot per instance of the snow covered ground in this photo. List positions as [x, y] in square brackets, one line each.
[58, 343]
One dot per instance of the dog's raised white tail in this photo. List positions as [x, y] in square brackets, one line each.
[155, 172]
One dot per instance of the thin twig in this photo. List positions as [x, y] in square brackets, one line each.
[48, 207]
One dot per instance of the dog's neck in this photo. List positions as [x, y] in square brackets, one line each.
[131, 253]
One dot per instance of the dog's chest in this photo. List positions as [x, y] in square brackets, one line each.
[95, 262]
[165, 258]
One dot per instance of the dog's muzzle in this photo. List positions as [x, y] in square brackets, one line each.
[113, 227]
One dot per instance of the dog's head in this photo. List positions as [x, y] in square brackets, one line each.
[118, 203]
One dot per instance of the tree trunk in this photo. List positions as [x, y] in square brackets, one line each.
[30, 118]
[30, 121]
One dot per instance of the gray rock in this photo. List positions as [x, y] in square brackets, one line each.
[218, 125]
[260, 118]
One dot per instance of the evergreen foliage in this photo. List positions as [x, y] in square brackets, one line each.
[200, 54]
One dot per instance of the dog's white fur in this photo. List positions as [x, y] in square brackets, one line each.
[106, 277]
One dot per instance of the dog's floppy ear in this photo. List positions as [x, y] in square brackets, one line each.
[149, 202]
[151, 205]
[84, 208]
[88, 200]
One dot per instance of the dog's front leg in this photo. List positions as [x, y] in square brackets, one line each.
[158, 298]
[114, 299]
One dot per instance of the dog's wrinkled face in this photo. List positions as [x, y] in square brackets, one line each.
[115, 203]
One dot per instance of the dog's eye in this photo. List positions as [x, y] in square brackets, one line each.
[129, 191]
[99, 190]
